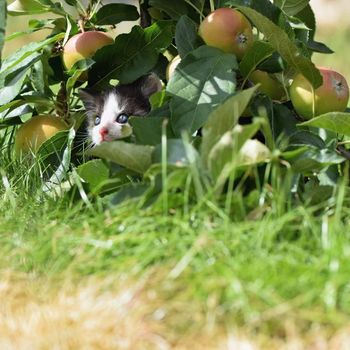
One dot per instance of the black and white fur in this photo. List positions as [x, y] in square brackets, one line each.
[108, 111]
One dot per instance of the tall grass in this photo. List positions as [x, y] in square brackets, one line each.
[269, 268]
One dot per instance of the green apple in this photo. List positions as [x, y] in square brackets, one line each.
[84, 45]
[35, 131]
[172, 66]
[331, 96]
[228, 30]
[269, 85]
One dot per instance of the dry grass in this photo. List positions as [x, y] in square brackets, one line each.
[102, 314]
[96, 314]
[90, 315]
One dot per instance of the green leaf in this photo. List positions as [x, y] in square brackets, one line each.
[94, 172]
[128, 192]
[38, 99]
[81, 66]
[307, 16]
[334, 121]
[12, 87]
[305, 137]
[54, 156]
[5, 123]
[132, 55]
[148, 130]
[174, 9]
[312, 159]
[53, 147]
[2, 25]
[273, 64]
[282, 121]
[16, 111]
[319, 47]
[76, 72]
[223, 119]
[38, 77]
[23, 65]
[280, 40]
[11, 80]
[291, 7]
[115, 13]
[202, 80]
[186, 36]
[134, 157]
[57, 151]
[12, 104]
[259, 52]
[265, 7]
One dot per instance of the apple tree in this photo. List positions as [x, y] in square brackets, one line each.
[228, 113]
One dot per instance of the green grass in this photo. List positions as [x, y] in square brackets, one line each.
[254, 274]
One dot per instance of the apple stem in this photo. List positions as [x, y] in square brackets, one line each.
[81, 25]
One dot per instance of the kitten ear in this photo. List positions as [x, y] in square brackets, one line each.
[150, 84]
[89, 99]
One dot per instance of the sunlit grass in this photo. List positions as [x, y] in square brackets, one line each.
[187, 275]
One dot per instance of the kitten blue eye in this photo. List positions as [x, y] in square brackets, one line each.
[122, 118]
[97, 120]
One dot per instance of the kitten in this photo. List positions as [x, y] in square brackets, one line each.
[108, 111]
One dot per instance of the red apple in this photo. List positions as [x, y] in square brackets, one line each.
[84, 45]
[35, 131]
[269, 85]
[228, 30]
[331, 96]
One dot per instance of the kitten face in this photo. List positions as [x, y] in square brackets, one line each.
[108, 112]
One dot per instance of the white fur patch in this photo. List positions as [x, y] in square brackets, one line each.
[111, 110]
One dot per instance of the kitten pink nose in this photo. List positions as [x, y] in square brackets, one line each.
[103, 132]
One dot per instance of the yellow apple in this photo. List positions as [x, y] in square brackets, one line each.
[34, 132]
[269, 85]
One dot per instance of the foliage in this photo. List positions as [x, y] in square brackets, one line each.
[198, 138]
